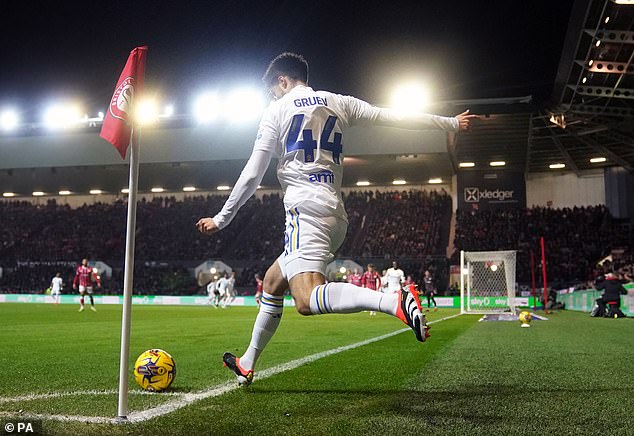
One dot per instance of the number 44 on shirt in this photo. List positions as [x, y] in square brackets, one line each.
[309, 145]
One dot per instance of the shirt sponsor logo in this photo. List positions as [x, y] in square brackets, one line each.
[322, 177]
[310, 101]
[474, 195]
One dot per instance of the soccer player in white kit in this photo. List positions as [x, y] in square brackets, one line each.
[304, 128]
[394, 278]
[230, 293]
[222, 286]
[56, 288]
[212, 291]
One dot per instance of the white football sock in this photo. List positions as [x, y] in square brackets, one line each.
[348, 298]
[265, 326]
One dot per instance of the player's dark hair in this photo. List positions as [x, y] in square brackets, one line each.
[287, 64]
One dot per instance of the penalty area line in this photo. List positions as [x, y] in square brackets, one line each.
[185, 399]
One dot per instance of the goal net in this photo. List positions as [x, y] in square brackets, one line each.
[487, 281]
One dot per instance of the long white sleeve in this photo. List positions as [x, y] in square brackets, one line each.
[245, 187]
[362, 112]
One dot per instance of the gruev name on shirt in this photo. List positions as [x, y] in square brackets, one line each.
[310, 101]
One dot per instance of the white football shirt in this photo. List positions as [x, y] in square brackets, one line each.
[222, 285]
[56, 284]
[304, 130]
[394, 279]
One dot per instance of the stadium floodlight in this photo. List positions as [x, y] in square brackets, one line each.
[64, 192]
[207, 107]
[213, 270]
[146, 112]
[466, 164]
[125, 191]
[556, 166]
[37, 193]
[435, 181]
[399, 182]
[9, 120]
[223, 188]
[100, 115]
[410, 97]
[189, 188]
[623, 2]
[597, 159]
[8, 194]
[497, 163]
[157, 189]
[363, 183]
[343, 270]
[62, 116]
[243, 105]
[168, 111]
[95, 191]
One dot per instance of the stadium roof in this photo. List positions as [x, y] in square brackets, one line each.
[589, 115]
[592, 107]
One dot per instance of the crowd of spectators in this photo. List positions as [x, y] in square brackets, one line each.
[575, 239]
[56, 237]
[402, 224]
[411, 226]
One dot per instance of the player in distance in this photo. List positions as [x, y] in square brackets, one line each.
[303, 129]
[56, 288]
[355, 278]
[85, 277]
[371, 280]
[394, 278]
[258, 289]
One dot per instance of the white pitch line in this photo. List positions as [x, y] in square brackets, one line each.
[47, 395]
[186, 399]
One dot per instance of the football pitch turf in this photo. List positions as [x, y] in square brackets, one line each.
[570, 375]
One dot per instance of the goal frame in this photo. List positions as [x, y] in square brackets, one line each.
[465, 283]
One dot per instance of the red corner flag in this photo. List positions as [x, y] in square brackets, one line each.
[117, 126]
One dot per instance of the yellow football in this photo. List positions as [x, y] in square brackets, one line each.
[155, 370]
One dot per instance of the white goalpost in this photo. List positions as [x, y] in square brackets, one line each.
[487, 281]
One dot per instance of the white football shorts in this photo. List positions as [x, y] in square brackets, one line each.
[55, 292]
[85, 289]
[312, 237]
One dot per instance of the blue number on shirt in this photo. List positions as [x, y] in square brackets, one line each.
[334, 146]
[308, 144]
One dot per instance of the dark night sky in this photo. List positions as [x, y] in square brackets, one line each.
[462, 49]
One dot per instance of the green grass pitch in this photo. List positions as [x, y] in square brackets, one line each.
[570, 375]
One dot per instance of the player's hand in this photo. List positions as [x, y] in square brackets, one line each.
[207, 226]
[464, 120]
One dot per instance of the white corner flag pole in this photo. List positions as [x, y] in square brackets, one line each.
[128, 276]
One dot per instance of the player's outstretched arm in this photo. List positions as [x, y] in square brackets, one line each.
[244, 188]
[362, 112]
[465, 119]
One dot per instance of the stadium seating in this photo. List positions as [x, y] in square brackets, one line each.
[575, 238]
[412, 226]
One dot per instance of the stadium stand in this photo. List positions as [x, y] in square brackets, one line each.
[577, 238]
[411, 226]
